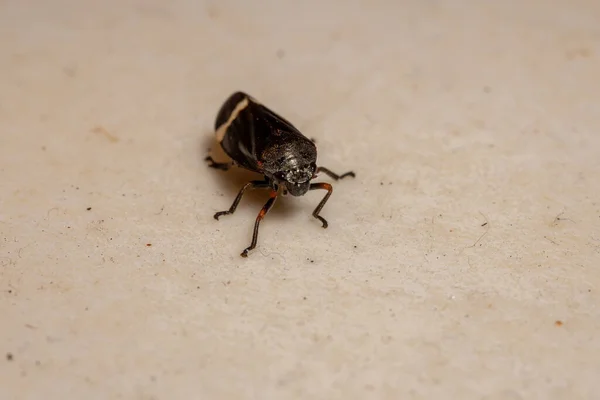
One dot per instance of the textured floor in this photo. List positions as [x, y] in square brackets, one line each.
[463, 262]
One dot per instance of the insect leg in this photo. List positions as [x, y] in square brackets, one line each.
[324, 186]
[249, 185]
[217, 165]
[259, 218]
[334, 175]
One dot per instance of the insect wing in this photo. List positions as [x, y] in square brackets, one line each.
[245, 128]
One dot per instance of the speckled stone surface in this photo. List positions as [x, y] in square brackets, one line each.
[463, 262]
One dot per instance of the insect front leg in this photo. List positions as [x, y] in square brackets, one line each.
[217, 165]
[324, 186]
[268, 205]
[334, 175]
[238, 198]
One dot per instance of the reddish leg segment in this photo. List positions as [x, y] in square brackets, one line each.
[323, 186]
[268, 205]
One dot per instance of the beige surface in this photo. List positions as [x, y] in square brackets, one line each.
[452, 114]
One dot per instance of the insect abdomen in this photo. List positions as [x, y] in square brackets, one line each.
[235, 130]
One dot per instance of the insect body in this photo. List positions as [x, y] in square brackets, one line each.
[257, 139]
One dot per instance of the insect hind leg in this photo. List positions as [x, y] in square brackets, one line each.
[217, 165]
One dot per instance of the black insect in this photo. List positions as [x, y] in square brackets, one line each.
[257, 139]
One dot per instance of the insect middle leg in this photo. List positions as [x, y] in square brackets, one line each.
[217, 165]
[324, 186]
[268, 205]
[238, 198]
[334, 175]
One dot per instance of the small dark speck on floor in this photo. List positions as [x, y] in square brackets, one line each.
[558, 323]
[89, 208]
[9, 357]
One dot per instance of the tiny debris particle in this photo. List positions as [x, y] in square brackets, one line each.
[102, 131]
[149, 244]
[484, 224]
[9, 357]
[558, 323]
[304, 298]
[89, 208]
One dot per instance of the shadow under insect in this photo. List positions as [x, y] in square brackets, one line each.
[232, 179]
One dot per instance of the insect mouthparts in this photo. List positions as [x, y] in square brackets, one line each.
[298, 175]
